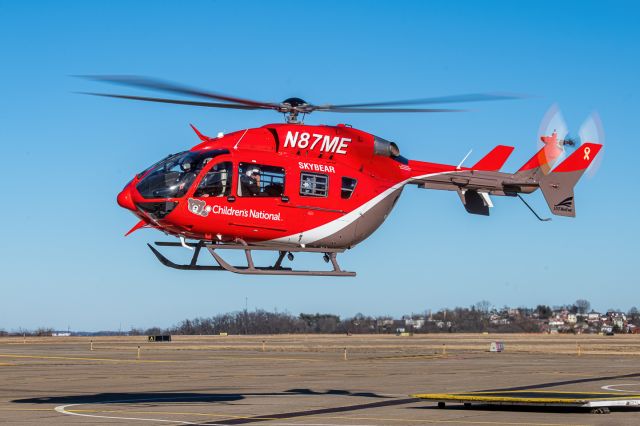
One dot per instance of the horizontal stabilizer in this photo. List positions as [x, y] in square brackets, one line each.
[495, 159]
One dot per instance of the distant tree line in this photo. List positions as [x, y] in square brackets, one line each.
[264, 322]
[481, 317]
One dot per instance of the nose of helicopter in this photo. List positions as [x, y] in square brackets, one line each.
[125, 200]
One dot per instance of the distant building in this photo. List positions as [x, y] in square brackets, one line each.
[415, 323]
[593, 316]
[616, 315]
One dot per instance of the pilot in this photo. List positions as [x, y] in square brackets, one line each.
[251, 181]
[188, 175]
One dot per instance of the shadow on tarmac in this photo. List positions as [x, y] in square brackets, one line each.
[168, 397]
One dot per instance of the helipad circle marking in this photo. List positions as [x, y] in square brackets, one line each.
[62, 409]
[613, 387]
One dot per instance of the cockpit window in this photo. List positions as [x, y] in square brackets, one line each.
[217, 181]
[172, 177]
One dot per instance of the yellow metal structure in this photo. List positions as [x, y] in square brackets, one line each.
[537, 397]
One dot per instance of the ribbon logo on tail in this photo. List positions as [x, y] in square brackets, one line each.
[587, 151]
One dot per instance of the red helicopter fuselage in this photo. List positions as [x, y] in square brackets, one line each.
[303, 185]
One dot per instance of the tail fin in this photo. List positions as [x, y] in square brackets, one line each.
[495, 159]
[557, 186]
[543, 160]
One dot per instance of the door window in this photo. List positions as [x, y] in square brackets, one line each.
[257, 180]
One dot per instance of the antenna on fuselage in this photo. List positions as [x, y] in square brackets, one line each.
[463, 160]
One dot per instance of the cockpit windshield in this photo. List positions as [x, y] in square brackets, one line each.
[172, 177]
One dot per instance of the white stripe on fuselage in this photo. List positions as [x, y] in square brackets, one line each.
[330, 228]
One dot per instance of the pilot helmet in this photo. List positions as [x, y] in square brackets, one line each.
[254, 170]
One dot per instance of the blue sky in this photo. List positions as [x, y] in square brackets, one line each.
[65, 261]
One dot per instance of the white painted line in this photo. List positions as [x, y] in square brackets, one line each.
[613, 387]
[62, 409]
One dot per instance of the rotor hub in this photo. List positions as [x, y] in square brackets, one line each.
[292, 107]
[294, 102]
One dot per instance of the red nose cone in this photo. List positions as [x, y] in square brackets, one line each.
[124, 199]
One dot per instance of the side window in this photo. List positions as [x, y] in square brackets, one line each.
[217, 181]
[348, 185]
[257, 180]
[314, 184]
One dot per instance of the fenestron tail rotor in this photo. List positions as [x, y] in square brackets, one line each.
[291, 107]
[554, 128]
[552, 135]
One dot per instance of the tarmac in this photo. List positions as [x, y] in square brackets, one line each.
[309, 380]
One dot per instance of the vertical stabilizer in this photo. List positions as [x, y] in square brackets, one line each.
[557, 186]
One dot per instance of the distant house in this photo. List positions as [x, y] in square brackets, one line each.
[572, 318]
[616, 315]
[415, 323]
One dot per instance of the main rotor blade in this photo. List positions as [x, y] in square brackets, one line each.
[378, 110]
[149, 83]
[472, 97]
[172, 101]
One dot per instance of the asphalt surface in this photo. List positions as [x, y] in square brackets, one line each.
[306, 380]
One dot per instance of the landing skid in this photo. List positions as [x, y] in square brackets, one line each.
[329, 254]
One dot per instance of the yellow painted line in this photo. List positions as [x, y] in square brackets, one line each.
[71, 358]
[5, 363]
[402, 357]
[250, 358]
[464, 420]
[176, 413]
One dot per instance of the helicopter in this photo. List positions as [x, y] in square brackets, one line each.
[290, 187]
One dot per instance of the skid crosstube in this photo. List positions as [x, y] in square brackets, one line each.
[330, 255]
